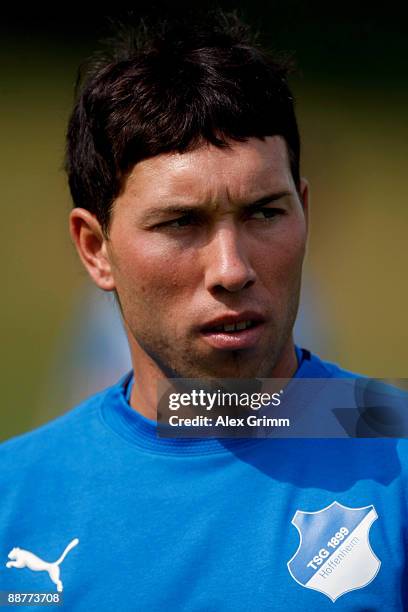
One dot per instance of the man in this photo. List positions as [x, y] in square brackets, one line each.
[183, 163]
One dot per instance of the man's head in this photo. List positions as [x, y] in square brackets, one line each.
[169, 88]
[183, 162]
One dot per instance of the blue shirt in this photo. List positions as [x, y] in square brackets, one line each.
[210, 525]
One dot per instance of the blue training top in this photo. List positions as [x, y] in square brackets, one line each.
[96, 507]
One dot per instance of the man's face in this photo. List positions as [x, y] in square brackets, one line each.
[206, 250]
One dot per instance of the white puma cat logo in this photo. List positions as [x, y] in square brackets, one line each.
[24, 558]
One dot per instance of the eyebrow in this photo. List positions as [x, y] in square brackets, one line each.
[153, 213]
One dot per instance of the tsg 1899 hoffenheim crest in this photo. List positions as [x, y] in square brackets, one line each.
[334, 555]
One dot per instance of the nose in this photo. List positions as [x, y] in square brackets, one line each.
[227, 265]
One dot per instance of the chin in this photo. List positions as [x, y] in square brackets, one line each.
[233, 365]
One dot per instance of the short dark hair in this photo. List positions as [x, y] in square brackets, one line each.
[169, 88]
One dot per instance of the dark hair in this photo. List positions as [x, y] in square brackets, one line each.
[169, 88]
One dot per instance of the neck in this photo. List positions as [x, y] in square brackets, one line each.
[143, 397]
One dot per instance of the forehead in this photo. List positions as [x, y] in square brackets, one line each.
[209, 172]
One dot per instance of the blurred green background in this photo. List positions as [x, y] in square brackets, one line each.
[352, 94]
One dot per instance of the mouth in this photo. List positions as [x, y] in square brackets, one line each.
[234, 331]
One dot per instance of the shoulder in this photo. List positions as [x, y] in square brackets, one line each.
[313, 366]
[372, 407]
[70, 428]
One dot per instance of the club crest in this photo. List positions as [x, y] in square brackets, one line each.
[334, 554]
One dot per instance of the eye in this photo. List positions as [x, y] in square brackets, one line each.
[265, 213]
[180, 221]
[186, 220]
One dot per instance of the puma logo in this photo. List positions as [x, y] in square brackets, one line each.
[24, 558]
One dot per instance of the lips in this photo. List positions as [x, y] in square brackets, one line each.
[235, 326]
[234, 319]
[234, 331]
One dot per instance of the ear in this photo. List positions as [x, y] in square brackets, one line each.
[305, 198]
[91, 244]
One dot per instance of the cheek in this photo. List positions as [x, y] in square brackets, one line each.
[149, 274]
[282, 257]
